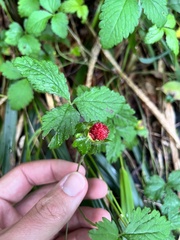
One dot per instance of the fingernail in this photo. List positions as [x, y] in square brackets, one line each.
[72, 184]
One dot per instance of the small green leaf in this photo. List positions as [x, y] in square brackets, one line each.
[107, 230]
[43, 75]
[82, 13]
[63, 121]
[29, 45]
[147, 225]
[59, 24]
[13, 34]
[20, 94]
[155, 187]
[98, 104]
[172, 40]
[172, 88]
[50, 5]
[170, 197]
[156, 11]
[174, 180]
[154, 34]
[171, 21]
[76, 6]
[37, 22]
[25, 8]
[9, 71]
[117, 20]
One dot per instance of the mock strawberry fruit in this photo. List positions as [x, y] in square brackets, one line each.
[98, 131]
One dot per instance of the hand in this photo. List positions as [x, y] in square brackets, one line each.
[41, 214]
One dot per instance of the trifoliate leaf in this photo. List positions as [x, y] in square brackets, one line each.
[106, 231]
[13, 34]
[154, 187]
[98, 104]
[117, 20]
[50, 5]
[43, 75]
[63, 121]
[172, 40]
[37, 22]
[174, 4]
[171, 21]
[59, 24]
[9, 71]
[25, 8]
[154, 34]
[147, 225]
[156, 11]
[172, 88]
[174, 180]
[29, 45]
[20, 94]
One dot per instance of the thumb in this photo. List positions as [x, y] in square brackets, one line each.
[53, 211]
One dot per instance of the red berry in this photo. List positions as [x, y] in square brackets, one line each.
[98, 131]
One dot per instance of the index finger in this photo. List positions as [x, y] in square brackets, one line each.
[19, 181]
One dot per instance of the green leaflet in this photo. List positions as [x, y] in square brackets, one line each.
[29, 45]
[117, 20]
[98, 104]
[155, 187]
[59, 24]
[147, 225]
[20, 94]
[156, 11]
[13, 34]
[106, 230]
[50, 5]
[37, 22]
[9, 71]
[26, 7]
[63, 121]
[43, 75]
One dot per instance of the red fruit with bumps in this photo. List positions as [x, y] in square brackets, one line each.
[98, 131]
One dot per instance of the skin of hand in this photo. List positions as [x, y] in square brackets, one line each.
[44, 213]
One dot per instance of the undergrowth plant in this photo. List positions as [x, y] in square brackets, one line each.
[97, 121]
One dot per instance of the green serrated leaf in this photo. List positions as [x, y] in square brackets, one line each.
[117, 20]
[167, 206]
[172, 40]
[146, 225]
[25, 8]
[107, 230]
[20, 94]
[155, 187]
[29, 45]
[98, 104]
[63, 121]
[37, 22]
[172, 88]
[154, 34]
[13, 34]
[43, 75]
[174, 180]
[156, 11]
[59, 24]
[50, 5]
[9, 71]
